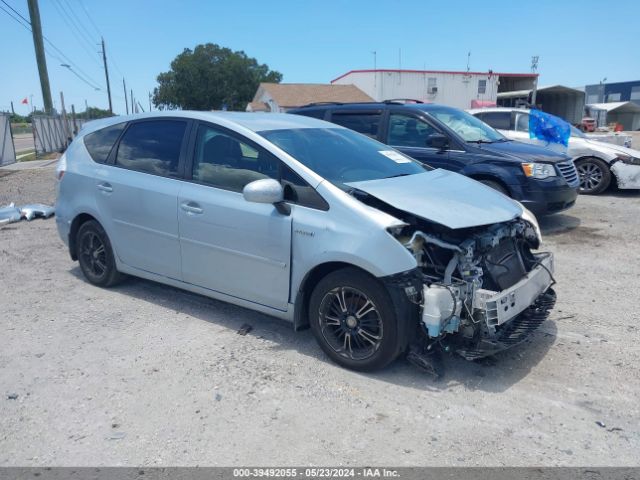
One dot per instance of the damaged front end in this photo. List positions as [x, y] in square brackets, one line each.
[481, 289]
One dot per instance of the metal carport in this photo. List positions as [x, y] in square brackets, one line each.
[625, 113]
[564, 102]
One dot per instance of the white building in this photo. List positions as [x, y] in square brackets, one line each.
[456, 89]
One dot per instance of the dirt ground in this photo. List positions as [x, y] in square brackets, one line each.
[144, 374]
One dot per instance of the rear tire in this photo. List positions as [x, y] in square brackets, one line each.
[95, 255]
[595, 176]
[354, 321]
[496, 186]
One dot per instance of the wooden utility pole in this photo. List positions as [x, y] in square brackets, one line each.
[38, 44]
[73, 119]
[126, 103]
[106, 74]
[149, 101]
[12, 110]
[65, 124]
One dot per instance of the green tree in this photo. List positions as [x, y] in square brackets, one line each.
[210, 77]
[92, 113]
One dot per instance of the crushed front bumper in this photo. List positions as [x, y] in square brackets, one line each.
[510, 316]
[513, 332]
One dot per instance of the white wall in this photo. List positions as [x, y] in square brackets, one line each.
[264, 97]
[455, 90]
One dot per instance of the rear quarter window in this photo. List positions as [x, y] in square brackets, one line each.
[100, 142]
[498, 120]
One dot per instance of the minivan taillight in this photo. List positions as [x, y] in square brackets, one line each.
[61, 167]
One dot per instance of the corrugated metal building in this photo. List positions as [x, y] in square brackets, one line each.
[456, 89]
[614, 92]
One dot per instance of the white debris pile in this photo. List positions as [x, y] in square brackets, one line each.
[11, 213]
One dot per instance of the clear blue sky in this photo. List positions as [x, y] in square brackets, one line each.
[579, 42]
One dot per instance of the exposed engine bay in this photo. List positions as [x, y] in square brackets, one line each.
[483, 289]
[478, 290]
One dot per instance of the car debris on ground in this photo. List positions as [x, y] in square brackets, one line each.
[10, 213]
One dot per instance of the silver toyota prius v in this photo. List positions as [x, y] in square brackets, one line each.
[309, 222]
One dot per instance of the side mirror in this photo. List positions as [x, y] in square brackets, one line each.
[266, 190]
[438, 140]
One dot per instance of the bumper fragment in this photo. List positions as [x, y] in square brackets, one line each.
[513, 332]
[500, 307]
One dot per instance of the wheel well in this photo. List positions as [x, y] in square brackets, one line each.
[585, 157]
[481, 176]
[307, 285]
[73, 231]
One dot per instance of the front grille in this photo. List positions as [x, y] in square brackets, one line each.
[569, 173]
[514, 331]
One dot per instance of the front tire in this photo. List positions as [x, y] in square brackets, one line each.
[95, 255]
[353, 319]
[595, 176]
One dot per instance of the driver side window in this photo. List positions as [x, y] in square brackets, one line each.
[408, 131]
[222, 161]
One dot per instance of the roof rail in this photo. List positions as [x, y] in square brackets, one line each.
[319, 104]
[316, 104]
[402, 100]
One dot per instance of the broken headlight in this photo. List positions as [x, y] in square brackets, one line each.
[628, 159]
[528, 216]
[539, 170]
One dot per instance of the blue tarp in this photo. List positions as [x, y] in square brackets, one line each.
[548, 128]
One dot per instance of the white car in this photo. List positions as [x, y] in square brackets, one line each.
[597, 162]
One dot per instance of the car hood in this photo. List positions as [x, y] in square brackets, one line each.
[613, 148]
[443, 197]
[525, 151]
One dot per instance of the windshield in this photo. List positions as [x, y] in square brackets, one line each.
[577, 133]
[341, 155]
[470, 128]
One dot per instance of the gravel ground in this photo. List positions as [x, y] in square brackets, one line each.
[144, 374]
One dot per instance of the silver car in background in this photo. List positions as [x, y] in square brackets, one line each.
[309, 222]
[598, 163]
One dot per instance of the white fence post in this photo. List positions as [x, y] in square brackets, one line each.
[7, 149]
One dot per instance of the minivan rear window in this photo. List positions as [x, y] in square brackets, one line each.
[100, 142]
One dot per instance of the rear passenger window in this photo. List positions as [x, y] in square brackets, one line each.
[100, 142]
[152, 147]
[222, 161]
[367, 123]
[498, 120]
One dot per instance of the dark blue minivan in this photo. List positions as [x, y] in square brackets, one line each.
[444, 137]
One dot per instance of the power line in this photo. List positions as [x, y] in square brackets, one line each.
[67, 59]
[16, 12]
[88, 80]
[79, 22]
[86, 12]
[111, 59]
[73, 28]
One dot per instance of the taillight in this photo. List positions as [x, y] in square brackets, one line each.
[61, 167]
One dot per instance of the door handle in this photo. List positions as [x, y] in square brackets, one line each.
[105, 187]
[191, 207]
